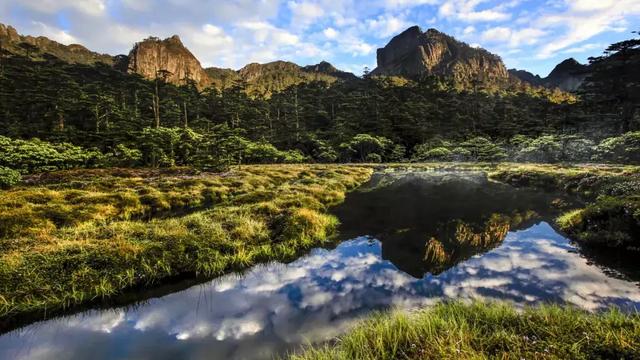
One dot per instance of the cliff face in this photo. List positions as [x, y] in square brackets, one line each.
[414, 53]
[568, 75]
[154, 56]
[13, 42]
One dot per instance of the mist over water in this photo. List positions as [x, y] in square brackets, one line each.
[411, 239]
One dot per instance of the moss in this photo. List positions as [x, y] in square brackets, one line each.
[481, 331]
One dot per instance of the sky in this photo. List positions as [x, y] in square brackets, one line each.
[528, 34]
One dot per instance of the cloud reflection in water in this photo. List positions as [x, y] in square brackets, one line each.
[275, 308]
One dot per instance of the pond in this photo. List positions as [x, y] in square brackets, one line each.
[409, 239]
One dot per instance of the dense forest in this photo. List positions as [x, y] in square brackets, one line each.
[55, 114]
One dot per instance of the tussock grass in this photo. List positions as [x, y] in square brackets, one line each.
[77, 236]
[487, 331]
[611, 217]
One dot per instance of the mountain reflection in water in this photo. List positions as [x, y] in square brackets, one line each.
[430, 221]
[276, 308]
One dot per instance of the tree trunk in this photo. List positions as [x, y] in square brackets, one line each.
[297, 115]
[186, 118]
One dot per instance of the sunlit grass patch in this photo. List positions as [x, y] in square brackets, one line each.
[72, 237]
[483, 331]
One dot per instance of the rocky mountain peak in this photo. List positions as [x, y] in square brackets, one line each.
[152, 55]
[415, 53]
[568, 75]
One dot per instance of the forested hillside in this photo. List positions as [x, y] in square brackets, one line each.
[125, 119]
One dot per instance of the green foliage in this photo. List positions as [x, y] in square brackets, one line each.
[8, 177]
[482, 149]
[552, 149]
[624, 149]
[455, 330]
[123, 156]
[424, 153]
[365, 147]
[265, 153]
[30, 156]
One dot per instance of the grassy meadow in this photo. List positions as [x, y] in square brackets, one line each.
[486, 331]
[74, 236]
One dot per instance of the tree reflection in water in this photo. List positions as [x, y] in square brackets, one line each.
[430, 221]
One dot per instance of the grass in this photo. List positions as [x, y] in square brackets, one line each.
[487, 331]
[71, 237]
[611, 217]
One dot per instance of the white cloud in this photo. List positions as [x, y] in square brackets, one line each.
[304, 12]
[583, 20]
[386, 25]
[88, 7]
[466, 10]
[584, 48]
[330, 33]
[56, 34]
[513, 38]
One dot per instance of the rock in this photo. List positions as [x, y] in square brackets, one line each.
[415, 54]
[567, 76]
[152, 56]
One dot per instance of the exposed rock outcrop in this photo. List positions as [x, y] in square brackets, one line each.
[36, 47]
[567, 76]
[415, 53]
[167, 58]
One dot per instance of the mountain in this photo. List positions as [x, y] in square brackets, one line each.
[152, 56]
[267, 79]
[568, 75]
[326, 68]
[415, 53]
[222, 78]
[32, 46]
[527, 77]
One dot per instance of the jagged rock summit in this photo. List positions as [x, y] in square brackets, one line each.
[415, 53]
[168, 58]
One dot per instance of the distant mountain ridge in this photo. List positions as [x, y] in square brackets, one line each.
[411, 54]
[567, 76]
[15, 43]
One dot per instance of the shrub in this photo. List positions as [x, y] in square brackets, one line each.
[482, 149]
[8, 177]
[35, 155]
[373, 158]
[621, 149]
[123, 156]
[364, 144]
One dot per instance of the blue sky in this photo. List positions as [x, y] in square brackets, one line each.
[528, 34]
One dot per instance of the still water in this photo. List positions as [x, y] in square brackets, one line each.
[410, 239]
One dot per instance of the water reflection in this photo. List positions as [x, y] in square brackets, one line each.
[445, 237]
[276, 308]
[431, 221]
